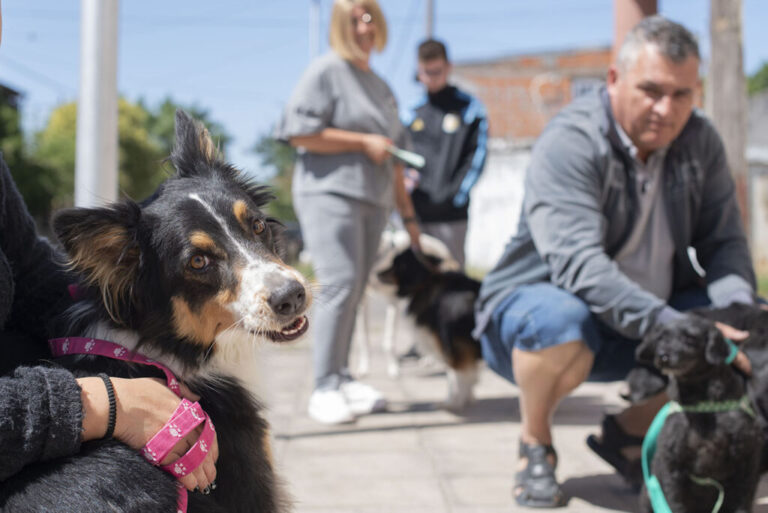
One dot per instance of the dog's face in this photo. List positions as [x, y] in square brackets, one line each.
[684, 347]
[409, 271]
[197, 259]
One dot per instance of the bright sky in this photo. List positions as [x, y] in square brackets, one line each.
[240, 59]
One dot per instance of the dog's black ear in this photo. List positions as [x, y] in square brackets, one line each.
[194, 153]
[102, 245]
[717, 349]
[645, 352]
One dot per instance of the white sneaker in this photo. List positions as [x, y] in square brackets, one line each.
[329, 407]
[363, 399]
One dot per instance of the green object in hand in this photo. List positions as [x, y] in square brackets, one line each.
[410, 158]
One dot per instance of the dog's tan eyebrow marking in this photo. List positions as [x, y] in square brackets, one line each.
[224, 227]
[240, 209]
[202, 240]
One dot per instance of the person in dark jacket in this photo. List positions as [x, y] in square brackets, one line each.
[620, 184]
[449, 128]
[46, 413]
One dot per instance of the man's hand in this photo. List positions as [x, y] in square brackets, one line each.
[741, 362]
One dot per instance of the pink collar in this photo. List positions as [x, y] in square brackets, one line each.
[95, 346]
[166, 438]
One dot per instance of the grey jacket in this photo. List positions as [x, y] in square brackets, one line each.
[580, 205]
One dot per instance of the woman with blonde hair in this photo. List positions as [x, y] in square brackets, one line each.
[343, 118]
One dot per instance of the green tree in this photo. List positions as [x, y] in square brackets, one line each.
[145, 140]
[139, 159]
[37, 183]
[281, 158]
[758, 81]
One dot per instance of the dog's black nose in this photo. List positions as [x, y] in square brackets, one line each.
[289, 299]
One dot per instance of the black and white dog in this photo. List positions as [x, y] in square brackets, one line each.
[442, 303]
[191, 278]
[392, 243]
[713, 439]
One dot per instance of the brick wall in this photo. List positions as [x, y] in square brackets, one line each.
[523, 92]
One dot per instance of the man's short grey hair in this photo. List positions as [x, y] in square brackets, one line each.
[674, 41]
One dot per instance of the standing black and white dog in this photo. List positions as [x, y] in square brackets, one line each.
[442, 303]
[392, 243]
[191, 278]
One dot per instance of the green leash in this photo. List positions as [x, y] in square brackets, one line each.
[655, 493]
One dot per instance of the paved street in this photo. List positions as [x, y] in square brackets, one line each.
[416, 458]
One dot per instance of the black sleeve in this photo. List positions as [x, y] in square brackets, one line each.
[38, 282]
[40, 417]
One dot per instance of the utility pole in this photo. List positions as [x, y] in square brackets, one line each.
[96, 147]
[430, 20]
[314, 28]
[627, 14]
[726, 96]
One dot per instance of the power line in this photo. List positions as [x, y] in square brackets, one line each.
[42, 78]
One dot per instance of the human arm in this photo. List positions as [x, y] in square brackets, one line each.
[473, 154]
[564, 211]
[718, 233]
[405, 207]
[144, 405]
[335, 140]
[45, 413]
[40, 417]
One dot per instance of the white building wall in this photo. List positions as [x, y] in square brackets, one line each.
[494, 208]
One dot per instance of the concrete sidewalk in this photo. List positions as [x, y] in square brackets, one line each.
[417, 458]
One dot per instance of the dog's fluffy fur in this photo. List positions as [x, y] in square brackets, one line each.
[442, 303]
[724, 446]
[190, 277]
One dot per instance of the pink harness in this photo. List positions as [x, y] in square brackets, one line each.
[187, 416]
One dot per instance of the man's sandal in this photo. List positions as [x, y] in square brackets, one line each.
[535, 485]
[609, 447]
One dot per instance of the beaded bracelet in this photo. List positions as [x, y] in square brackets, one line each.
[112, 405]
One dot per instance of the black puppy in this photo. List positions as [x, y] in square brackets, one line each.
[443, 304]
[646, 381]
[190, 277]
[722, 442]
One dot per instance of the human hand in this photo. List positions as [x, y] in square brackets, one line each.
[741, 361]
[144, 405]
[414, 233]
[375, 147]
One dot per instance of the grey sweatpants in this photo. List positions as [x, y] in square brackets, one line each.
[452, 233]
[342, 235]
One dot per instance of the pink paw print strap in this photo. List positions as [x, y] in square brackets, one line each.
[186, 418]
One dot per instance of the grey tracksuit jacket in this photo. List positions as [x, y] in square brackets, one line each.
[580, 206]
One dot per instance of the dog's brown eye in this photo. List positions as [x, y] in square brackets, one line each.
[258, 226]
[199, 262]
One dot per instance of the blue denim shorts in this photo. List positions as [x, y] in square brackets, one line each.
[541, 315]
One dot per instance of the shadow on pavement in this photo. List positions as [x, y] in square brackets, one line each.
[602, 490]
[580, 410]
